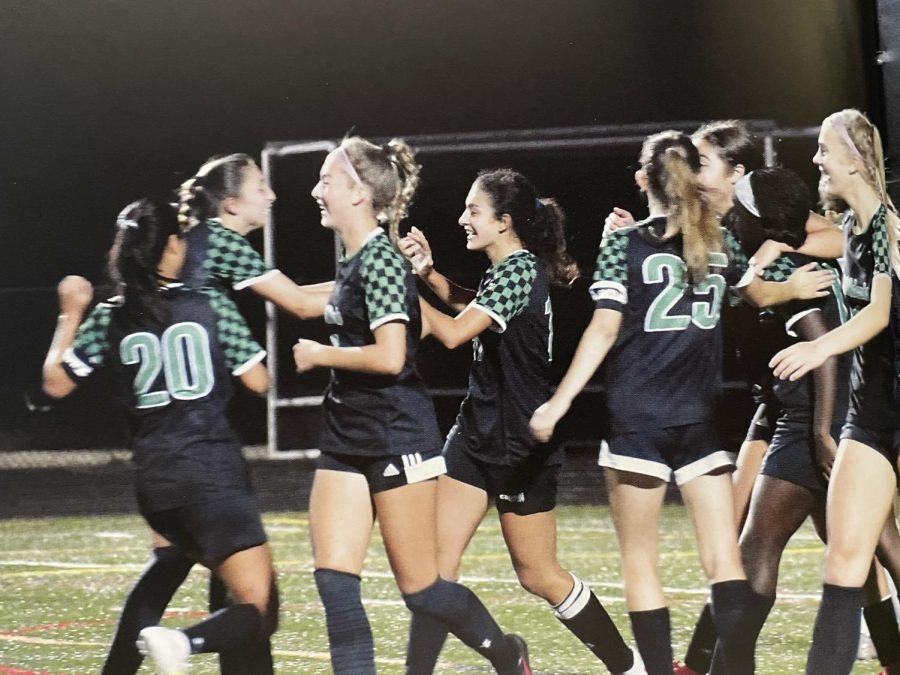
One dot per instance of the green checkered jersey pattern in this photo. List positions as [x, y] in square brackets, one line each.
[368, 414]
[505, 288]
[872, 373]
[174, 380]
[219, 257]
[865, 255]
[239, 347]
[510, 374]
[664, 369]
[384, 273]
[92, 340]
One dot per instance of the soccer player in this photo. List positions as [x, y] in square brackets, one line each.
[658, 290]
[172, 353]
[490, 453]
[380, 443]
[728, 151]
[863, 480]
[225, 200]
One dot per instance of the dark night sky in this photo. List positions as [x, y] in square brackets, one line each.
[104, 100]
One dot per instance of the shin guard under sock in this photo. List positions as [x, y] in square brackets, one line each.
[583, 614]
[349, 635]
[653, 634]
[836, 631]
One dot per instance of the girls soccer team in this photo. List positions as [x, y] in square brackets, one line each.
[173, 337]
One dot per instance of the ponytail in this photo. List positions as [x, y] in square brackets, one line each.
[671, 164]
[142, 232]
[402, 158]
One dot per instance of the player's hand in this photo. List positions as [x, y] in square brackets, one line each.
[544, 420]
[807, 282]
[767, 253]
[616, 220]
[305, 354]
[418, 251]
[75, 294]
[797, 360]
[826, 451]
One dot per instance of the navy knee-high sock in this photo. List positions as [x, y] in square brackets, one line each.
[583, 614]
[729, 611]
[703, 641]
[882, 623]
[653, 634]
[235, 627]
[836, 632]
[144, 607]
[427, 635]
[349, 635]
[467, 618]
[757, 611]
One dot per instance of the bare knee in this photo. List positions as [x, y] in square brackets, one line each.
[552, 583]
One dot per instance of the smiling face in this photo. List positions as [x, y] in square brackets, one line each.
[835, 162]
[717, 176]
[479, 220]
[335, 193]
[254, 200]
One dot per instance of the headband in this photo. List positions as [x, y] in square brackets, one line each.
[837, 123]
[349, 169]
[743, 193]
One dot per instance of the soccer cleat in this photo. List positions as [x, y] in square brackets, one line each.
[168, 648]
[678, 668]
[523, 666]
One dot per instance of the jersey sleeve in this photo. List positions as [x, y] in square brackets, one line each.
[383, 275]
[506, 288]
[232, 260]
[881, 257]
[609, 289]
[738, 273]
[91, 344]
[241, 350]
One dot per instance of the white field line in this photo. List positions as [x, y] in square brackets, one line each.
[375, 574]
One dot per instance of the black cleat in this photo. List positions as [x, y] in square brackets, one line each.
[523, 666]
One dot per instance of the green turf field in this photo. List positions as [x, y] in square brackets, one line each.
[63, 580]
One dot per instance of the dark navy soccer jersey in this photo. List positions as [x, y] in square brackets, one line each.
[665, 368]
[796, 397]
[365, 413]
[221, 258]
[510, 375]
[866, 255]
[175, 382]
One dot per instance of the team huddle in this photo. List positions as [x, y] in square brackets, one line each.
[722, 230]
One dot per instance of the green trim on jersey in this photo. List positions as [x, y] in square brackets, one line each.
[506, 287]
[880, 247]
[93, 338]
[383, 272]
[230, 257]
[612, 260]
[238, 345]
[737, 258]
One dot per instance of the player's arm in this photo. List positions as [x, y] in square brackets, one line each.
[415, 247]
[825, 386]
[823, 240]
[243, 354]
[256, 379]
[305, 302]
[595, 343]
[795, 361]
[805, 283]
[385, 357]
[453, 331]
[75, 294]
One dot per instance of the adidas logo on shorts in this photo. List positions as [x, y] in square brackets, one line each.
[390, 470]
